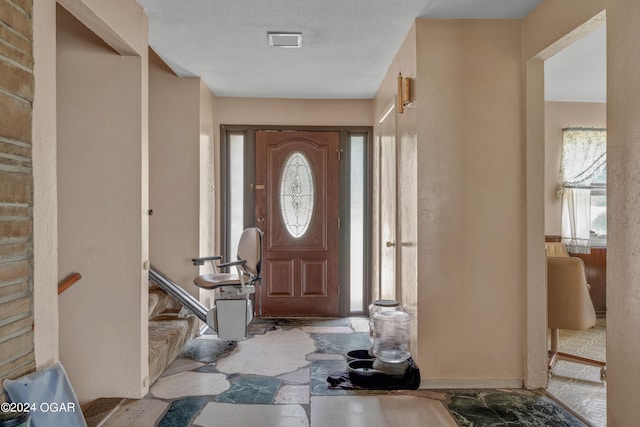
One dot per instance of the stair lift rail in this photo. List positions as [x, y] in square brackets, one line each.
[173, 289]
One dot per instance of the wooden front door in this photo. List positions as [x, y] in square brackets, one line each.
[297, 209]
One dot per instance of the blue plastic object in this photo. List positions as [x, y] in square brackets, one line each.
[48, 397]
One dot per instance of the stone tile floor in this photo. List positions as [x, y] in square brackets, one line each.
[277, 377]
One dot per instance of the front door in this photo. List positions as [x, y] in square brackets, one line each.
[297, 198]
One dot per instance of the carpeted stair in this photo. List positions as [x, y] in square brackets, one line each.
[168, 333]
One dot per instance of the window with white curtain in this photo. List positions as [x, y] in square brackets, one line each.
[583, 189]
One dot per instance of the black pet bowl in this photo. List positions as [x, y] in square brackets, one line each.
[359, 355]
[362, 374]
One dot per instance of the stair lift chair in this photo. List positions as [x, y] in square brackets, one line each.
[569, 304]
[233, 310]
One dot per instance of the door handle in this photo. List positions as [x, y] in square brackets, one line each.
[391, 244]
[260, 219]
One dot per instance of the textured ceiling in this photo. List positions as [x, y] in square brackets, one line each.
[347, 45]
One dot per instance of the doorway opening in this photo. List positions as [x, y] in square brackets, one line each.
[323, 254]
[575, 208]
[536, 194]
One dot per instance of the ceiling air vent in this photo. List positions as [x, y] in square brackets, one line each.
[285, 39]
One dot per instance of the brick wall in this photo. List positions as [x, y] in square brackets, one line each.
[16, 192]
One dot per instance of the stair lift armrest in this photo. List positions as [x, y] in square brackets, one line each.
[212, 259]
[238, 264]
[201, 260]
[232, 263]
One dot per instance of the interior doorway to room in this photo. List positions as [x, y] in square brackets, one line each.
[307, 189]
[575, 122]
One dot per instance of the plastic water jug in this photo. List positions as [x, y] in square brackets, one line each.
[392, 335]
[377, 306]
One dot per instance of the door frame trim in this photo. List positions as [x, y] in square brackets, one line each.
[344, 196]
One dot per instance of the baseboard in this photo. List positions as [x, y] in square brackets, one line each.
[471, 384]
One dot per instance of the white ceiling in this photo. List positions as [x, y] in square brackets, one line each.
[347, 45]
[579, 72]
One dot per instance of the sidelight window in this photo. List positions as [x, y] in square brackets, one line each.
[236, 188]
[357, 220]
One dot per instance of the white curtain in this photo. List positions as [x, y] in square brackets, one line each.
[576, 219]
[584, 156]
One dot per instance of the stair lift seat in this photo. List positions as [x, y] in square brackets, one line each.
[233, 310]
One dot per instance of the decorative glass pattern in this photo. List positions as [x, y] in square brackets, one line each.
[297, 195]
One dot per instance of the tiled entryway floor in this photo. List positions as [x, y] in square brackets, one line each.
[278, 378]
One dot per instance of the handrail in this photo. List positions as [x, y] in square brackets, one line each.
[173, 289]
[68, 282]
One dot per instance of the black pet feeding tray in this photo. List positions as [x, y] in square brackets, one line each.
[365, 373]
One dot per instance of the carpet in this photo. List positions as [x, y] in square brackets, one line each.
[576, 385]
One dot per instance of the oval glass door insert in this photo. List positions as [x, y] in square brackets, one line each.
[297, 194]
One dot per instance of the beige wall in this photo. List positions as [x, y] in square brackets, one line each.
[120, 23]
[102, 226]
[45, 225]
[535, 368]
[470, 203]
[460, 200]
[181, 114]
[312, 112]
[559, 115]
[209, 225]
[623, 205]
[174, 172]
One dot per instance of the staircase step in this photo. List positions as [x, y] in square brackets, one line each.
[96, 412]
[168, 334]
[160, 301]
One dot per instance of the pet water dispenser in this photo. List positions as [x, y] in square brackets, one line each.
[392, 334]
